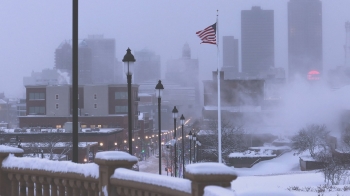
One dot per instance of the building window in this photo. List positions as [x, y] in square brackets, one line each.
[36, 96]
[56, 105]
[56, 96]
[121, 95]
[95, 96]
[58, 127]
[121, 109]
[95, 105]
[37, 110]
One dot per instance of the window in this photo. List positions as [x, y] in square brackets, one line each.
[58, 127]
[56, 105]
[38, 110]
[95, 96]
[95, 105]
[121, 95]
[36, 96]
[56, 96]
[121, 109]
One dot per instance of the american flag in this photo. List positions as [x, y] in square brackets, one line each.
[208, 35]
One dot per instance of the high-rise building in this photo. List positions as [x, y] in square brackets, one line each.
[103, 58]
[257, 32]
[304, 37]
[230, 54]
[347, 44]
[97, 61]
[147, 62]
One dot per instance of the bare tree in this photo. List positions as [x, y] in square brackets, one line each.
[232, 140]
[311, 138]
[53, 144]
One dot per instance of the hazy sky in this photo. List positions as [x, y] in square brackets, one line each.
[30, 31]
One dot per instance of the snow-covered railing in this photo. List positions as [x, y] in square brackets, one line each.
[110, 175]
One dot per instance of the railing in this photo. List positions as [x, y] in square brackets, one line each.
[109, 175]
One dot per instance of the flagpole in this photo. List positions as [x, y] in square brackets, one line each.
[219, 89]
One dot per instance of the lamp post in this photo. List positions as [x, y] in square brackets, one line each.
[128, 69]
[190, 137]
[198, 144]
[175, 116]
[182, 120]
[159, 91]
[194, 137]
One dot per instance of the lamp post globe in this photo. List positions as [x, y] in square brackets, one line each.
[129, 60]
[175, 111]
[159, 91]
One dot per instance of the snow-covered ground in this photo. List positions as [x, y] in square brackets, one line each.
[270, 178]
[278, 175]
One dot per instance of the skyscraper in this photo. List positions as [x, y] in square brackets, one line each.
[97, 62]
[304, 37]
[230, 53]
[147, 62]
[257, 32]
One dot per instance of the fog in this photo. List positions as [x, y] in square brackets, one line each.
[32, 30]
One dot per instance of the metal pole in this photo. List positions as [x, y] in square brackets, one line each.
[75, 82]
[183, 151]
[194, 151]
[159, 137]
[175, 159]
[190, 150]
[129, 113]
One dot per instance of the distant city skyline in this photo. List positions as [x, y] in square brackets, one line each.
[30, 33]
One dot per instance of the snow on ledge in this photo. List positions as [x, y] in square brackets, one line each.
[115, 156]
[88, 169]
[9, 149]
[209, 168]
[179, 184]
[217, 191]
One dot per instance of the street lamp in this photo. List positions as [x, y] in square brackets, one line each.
[128, 69]
[175, 116]
[190, 137]
[182, 120]
[198, 144]
[194, 137]
[159, 91]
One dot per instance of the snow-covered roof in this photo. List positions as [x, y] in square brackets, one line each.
[250, 153]
[209, 168]
[180, 184]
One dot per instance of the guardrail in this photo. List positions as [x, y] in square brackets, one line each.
[109, 175]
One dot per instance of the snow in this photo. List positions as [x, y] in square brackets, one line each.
[9, 149]
[249, 153]
[266, 192]
[165, 181]
[217, 191]
[209, 168]
[270, 148]
[115, 155]
[88, 169]
[286, 163]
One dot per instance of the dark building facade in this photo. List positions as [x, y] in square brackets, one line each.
[257, 32]
[304, 37]
[230, 54]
